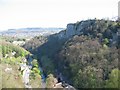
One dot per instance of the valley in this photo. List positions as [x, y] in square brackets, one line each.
[84, 55]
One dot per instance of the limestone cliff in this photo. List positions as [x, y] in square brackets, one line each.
[74, 29]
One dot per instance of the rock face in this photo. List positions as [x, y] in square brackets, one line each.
[70, 30]
[61, 34]
[75, 29]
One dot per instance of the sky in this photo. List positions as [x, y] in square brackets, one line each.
[53, 13]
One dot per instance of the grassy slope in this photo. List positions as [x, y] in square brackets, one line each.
[11, 79]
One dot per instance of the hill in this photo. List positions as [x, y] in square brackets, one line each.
[86, 53]
[15, 66]
[30, 32]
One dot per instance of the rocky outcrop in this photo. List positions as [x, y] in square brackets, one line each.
[75, 29]
[70, 29]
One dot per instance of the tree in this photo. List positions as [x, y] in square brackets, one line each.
[50, 81]
[47, 65]
[4, 51]
[114, 79]
[86, 78]
[106, 41]
[35, 63]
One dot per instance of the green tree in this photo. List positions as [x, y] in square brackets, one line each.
[50, 81]
[114, 79]
[4, 51]
[35, 63]
[86, 78]
[47, 64]
[106, 41]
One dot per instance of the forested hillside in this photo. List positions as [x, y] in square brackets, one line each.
[86, 53]
[87, 63]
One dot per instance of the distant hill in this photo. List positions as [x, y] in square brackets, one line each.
[30, 32]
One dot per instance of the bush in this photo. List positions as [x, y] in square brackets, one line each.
[114, 80]
[36, 70]
[35, 63]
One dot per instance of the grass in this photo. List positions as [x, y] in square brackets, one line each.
[35, 80]
[0, 77]
[13, 78]
[10, 79]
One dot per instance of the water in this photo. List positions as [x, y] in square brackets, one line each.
[43, 83]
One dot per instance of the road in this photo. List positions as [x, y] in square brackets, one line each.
[26, 74]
